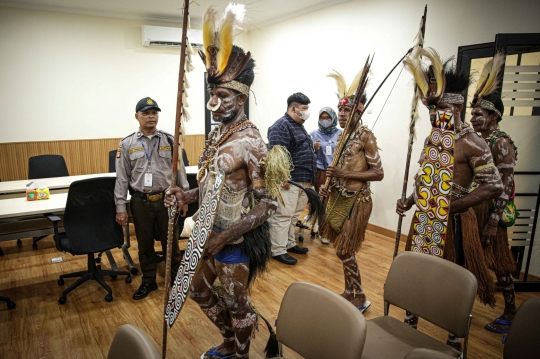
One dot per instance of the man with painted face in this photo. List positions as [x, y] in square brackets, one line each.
[462, 153]
[324, 142]
[349, 202]
[495, 216]
[290, 133]
[238, 245]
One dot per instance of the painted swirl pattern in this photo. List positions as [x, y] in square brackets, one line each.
[194, 249]
[433, 194]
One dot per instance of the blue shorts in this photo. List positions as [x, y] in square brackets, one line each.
[231, 255]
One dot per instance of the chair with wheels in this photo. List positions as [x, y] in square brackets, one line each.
[131, 342]
[45, 166]
[112, 160]
[90, 225]
[318, 323]
[429, 287]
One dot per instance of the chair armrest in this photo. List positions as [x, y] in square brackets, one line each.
[53, 218]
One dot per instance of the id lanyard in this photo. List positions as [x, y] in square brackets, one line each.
[148, 174]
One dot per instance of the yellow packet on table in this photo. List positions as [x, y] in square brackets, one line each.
[43, 193]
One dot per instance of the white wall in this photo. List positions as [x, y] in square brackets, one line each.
[65, 76]
[295, 55]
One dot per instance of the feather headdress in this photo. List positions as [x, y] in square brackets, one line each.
[487, 94]
[224, 63]
[439, 82]
[346, 94]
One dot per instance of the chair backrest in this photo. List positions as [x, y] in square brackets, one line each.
[318, 323]
[46, 166]
[112, 160]
[433, 288]
[522, 341]
[185, 158]
[130, 342]
[89, 218]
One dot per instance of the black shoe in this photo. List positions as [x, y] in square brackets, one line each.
[286, 259]
[144, 290]
[298, 250]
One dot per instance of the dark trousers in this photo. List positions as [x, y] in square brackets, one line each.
[147, 216]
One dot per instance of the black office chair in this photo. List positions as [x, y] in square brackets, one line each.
[112, 160]
[89, 221]
[45, 166]
[10, 304]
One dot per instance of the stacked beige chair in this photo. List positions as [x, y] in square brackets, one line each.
[131, 342]
[318, 323]
[522, 341]
[434, 289]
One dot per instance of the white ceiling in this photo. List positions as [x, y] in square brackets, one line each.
[260, 12]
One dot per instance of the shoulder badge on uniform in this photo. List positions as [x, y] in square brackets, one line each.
[119, 152]
[127, 136]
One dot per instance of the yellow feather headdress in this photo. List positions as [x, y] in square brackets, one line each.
[430, 82]
[489, 82]
[222, 64]
[342, 91]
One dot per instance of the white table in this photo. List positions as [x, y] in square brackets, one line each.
[12, 189]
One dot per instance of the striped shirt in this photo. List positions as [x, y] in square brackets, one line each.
[293, 136]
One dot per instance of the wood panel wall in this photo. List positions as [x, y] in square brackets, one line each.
[82, 156]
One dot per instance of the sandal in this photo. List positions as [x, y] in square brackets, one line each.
[213, 353]
[499, 321]
[364, 307]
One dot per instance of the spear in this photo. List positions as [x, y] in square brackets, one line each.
[411, 136]
[175, 149]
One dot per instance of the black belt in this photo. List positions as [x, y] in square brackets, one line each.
[152, 197]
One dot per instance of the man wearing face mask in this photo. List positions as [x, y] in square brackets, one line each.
[290, 133]
[325, 140]
[443, 198]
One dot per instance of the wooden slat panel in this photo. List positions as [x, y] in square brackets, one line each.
[194, 145]
[521, 94]
[509, 86]
[82, 156]
[521, 77]
[522, 103]
[522, 69]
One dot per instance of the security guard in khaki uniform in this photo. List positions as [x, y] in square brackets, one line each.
[144, 165]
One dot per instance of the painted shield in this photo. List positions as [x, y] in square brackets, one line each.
[194, 249]
[430, 220]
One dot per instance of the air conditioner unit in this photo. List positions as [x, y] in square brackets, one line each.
[169, 36]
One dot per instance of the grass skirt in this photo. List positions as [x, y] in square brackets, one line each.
[498, 254]
[353, 231]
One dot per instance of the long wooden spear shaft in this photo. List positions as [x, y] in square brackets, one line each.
[175, 149]
[411, 141]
